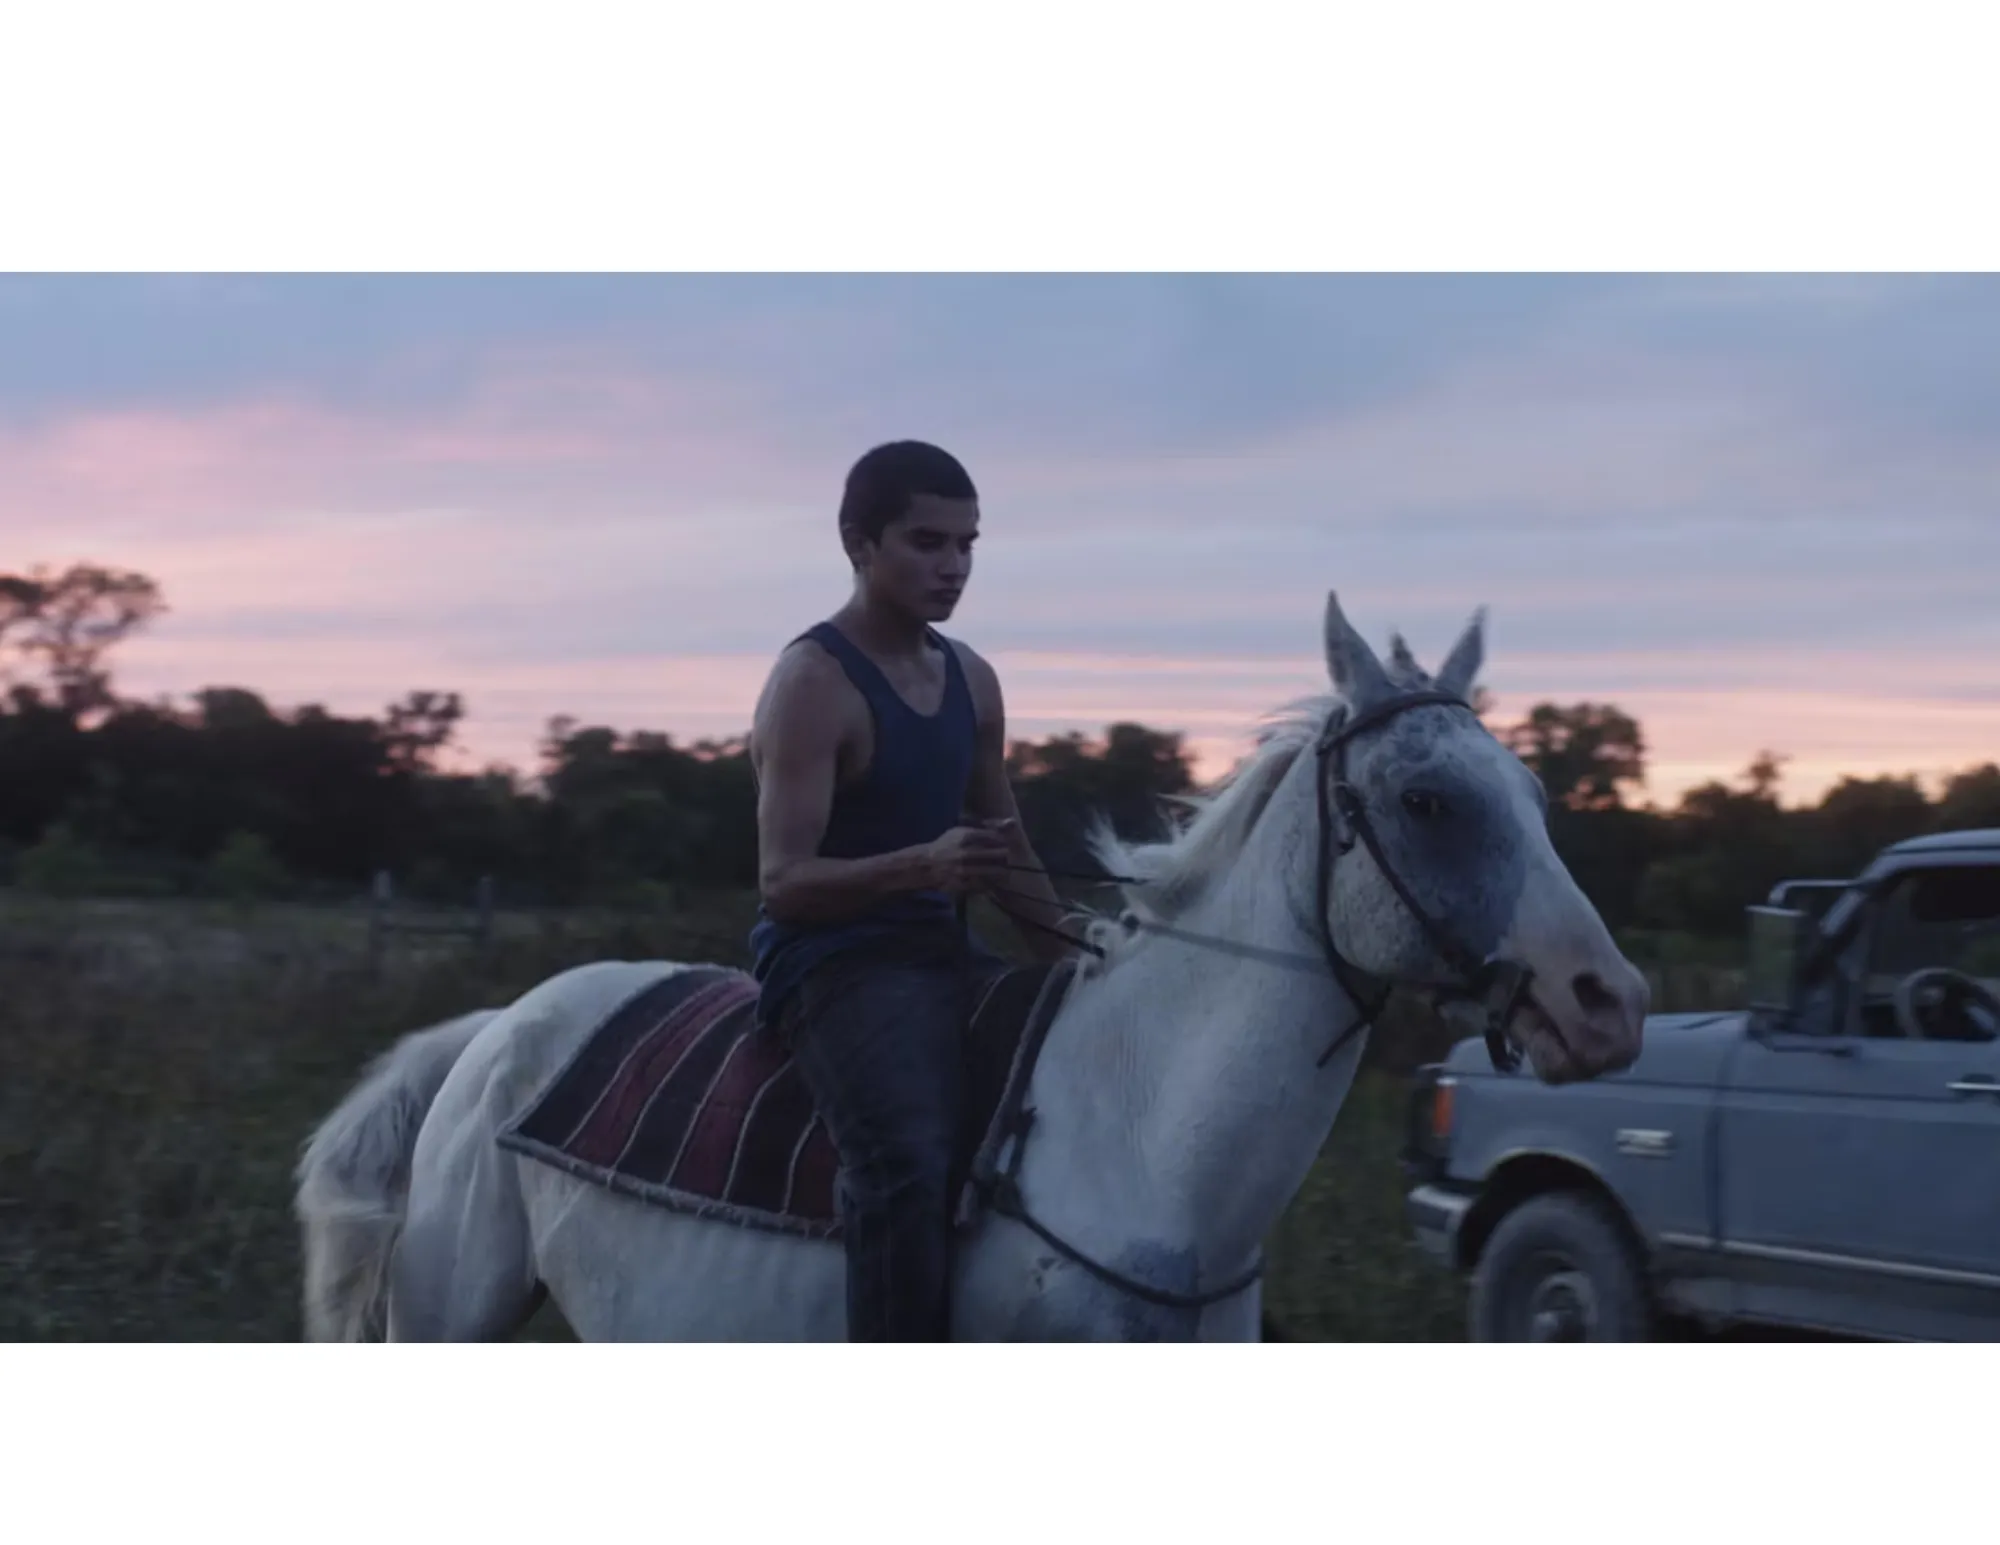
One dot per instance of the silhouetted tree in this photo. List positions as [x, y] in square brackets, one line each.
[227, 794]
[58, 627]
[1585, 754]
[1971, 801]
[1727, 848]
[1067, 781]
[1861, 816]
[418, 727]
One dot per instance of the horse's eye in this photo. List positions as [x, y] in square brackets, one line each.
[1423, 804]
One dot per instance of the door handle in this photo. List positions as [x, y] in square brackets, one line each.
[1980, 1084]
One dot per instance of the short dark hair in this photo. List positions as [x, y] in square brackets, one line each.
[882, 483]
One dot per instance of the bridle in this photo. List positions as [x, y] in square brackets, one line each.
[1498, 983]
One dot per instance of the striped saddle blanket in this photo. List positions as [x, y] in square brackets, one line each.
[678, 1099]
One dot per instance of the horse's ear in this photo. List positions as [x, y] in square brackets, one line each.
[1461, 667]
[1357, 675]
[1404, 664]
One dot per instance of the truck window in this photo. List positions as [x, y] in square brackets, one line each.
[1937, 917]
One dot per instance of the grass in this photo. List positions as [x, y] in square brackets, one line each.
[160, 1065]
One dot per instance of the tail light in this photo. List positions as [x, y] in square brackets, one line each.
[1443, 1098]
[1433, 1107]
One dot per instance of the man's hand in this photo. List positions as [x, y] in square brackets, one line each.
[969, 858]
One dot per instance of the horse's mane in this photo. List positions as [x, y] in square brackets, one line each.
[1174, 872]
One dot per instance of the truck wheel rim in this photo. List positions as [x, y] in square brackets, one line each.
[1560, 1303]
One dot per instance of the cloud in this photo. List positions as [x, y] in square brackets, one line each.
[558, 492]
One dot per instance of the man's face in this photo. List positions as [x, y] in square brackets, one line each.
[924, 558]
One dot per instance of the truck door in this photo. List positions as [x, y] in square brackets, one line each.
[1859, 1163]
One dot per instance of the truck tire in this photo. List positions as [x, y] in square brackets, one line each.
[1560, 1267]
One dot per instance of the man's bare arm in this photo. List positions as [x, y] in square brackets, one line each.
[797, 733]
[990, 799]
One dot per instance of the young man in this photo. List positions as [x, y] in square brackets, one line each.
[880, 753]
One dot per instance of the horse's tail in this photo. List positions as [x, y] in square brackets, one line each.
[353, 1180]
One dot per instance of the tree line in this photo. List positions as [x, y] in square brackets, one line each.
[228, 794]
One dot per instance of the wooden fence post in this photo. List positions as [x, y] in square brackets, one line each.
[381, 898]
[483, 925]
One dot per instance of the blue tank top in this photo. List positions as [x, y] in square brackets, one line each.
[913, 792]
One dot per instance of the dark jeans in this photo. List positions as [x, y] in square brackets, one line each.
[881, 1044]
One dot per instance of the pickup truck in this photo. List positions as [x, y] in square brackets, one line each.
[1825, 1159]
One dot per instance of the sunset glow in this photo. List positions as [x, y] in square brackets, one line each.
[1755, 515]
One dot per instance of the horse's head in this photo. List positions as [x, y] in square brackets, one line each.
[1444, 862]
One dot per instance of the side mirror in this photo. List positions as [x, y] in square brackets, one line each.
[1815, 898]
[1780, 940]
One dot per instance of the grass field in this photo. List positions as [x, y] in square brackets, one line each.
[160, 1065]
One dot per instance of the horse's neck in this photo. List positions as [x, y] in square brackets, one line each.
[1184, 1082]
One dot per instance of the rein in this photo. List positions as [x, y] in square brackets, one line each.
[1342, 821]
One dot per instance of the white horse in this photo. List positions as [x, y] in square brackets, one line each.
[1180, 1096]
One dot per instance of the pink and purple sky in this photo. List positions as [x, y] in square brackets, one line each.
[1754, 512]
